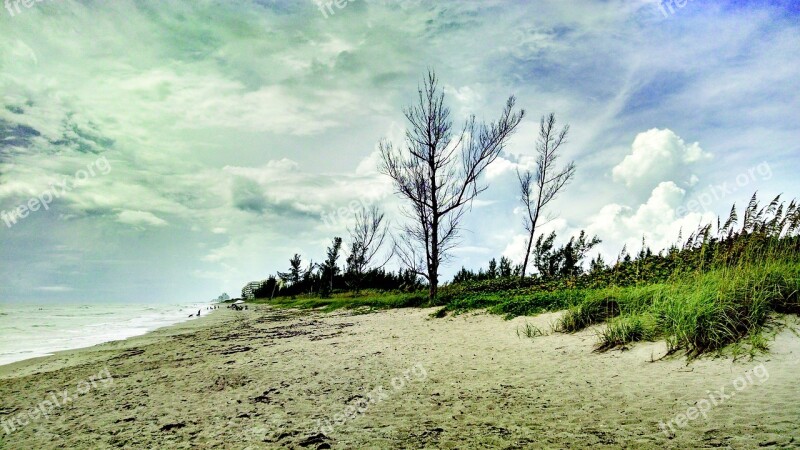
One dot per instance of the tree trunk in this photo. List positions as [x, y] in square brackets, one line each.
[534, 221]
[433, 265]
[527, 255]
[434, 286]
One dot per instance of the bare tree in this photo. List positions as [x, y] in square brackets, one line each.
[437, 171]
[540, 188]
[367, 238]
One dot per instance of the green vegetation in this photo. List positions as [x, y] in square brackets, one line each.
[367, 299]
[530, 331]
[714, 291]
[717, 289]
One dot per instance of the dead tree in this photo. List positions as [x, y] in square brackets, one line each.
[437, 171]
[367, 238]
[540, 188]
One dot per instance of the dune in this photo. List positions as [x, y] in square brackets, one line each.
[268, 378]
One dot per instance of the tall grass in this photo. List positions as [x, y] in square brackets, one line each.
[697, 312]
[718, 288]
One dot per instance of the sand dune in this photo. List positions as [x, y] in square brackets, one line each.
[396, 379]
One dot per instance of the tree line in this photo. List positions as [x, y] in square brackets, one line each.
[437, 171]
[363, 268]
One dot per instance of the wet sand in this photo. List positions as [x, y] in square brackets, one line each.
[266, 378]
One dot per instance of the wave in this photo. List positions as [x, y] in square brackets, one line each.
[31, 331]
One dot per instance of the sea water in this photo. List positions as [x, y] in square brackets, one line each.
[29, 331]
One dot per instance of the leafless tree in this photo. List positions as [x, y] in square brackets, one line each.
[437, 171]
[543, 186]
[367, 238]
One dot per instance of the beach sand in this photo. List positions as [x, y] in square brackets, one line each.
[396, 379]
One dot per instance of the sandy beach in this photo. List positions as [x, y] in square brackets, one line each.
[267, 378]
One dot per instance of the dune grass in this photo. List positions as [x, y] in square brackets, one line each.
[512, 305]
[717, 289]
[370, 300]
[530, 331]
[696, 313]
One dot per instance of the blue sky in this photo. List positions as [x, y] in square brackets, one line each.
[229, 128]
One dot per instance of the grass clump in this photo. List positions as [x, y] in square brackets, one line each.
[708, 311]
[537, 303]
[515, 304]
[628, 329]
[698, 312]
[597, 307]
[530, 331]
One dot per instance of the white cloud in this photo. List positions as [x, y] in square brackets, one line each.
[658, 155]
[515, 250]
[468, 98]
[369, 165]
[140, 218]
[53, 289]
[500, 167]
[656, 220]
[289, 103]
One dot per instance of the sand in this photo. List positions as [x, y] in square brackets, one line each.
[268, 378]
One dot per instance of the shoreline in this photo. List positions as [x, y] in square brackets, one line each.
[79, 354]
[95, 339]
[272, 378]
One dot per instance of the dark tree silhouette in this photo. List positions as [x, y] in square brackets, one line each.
[367, 238]
[437, 171]
[330, 268]
[295, 273]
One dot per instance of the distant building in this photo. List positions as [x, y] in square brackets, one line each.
[249, 291]
[223, 298]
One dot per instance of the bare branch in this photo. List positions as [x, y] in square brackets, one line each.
[542, 187]
[438, 173]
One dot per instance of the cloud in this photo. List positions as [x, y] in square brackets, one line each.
[500, 167]
[515, 250]
[244, 130]
[657, 220]
[658, 155]
[140, 218]
[56, 289]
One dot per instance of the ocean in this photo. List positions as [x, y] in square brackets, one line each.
[30, 331]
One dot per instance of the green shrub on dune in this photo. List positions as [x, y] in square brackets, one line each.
[717, 289]
[696, 313]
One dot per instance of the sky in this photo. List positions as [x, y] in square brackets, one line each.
[175, 150]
